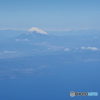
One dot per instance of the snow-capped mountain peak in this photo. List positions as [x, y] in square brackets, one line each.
[35, 29]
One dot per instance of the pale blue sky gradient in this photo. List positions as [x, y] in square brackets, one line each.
[50, 14]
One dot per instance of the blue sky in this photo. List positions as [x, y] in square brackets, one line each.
[50, 14]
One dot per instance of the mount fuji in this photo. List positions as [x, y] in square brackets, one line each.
[35, 35]
[35, 29]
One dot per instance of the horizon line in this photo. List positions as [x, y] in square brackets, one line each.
[49, 29]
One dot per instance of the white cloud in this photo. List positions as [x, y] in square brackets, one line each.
[77, 48]
[67, 49]
[12, 29]
[83, 29]
[21, 40]
[42, 67]
[65, 30]
[25, 40]
[37, 30]
[17, 39]
[61, 30]
[90, 48]
[27, 70]
[95, 37]
[9, 52]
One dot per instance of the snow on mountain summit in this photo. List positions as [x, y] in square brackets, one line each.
[37, 30]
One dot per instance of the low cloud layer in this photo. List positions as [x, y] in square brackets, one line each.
[90, 48]
[21, 40]
[67, 49]
[9, 52]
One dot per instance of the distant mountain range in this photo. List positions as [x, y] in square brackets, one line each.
[36, 41]
[9, 33]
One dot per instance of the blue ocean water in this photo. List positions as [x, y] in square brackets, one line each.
[78, 77]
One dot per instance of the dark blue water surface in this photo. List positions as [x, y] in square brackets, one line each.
[78, 77]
